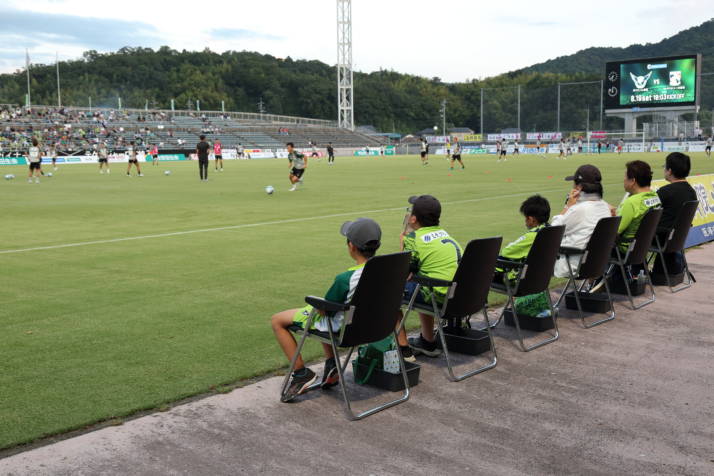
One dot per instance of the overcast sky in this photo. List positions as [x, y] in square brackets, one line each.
[455, 40]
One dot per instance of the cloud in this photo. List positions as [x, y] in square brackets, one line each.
[24, 29]
[241, 34]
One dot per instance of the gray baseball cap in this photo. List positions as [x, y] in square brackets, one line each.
[362, 231]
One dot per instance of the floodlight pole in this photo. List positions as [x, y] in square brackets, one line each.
[481, 114]
[601, 99]
[557, 126]
[519, 108]
[443, 117]
[345, 90]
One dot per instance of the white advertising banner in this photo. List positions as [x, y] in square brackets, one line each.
[511, 136]
[544, 135]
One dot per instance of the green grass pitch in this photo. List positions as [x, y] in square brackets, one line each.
[101, 330]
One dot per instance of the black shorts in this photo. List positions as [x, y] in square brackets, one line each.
[219, 157]
[515, 151]
[155, 157]
[708, 148]
[133, 161]
[456, 157]
[35, 165]
[297, 172]
[503, 151]
[103, 161]
[423, 154]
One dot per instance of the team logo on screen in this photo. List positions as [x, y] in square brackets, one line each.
[612, 76]
[675, 78]
[640, 81]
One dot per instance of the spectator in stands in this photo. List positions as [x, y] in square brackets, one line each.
[673, 196]
[431, 257]
[363, 240]
[583, 209]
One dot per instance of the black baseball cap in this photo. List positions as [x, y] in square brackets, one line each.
[362, 231]
[426, 207]
[586, 174]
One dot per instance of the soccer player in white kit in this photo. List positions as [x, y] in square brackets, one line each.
[35, 158]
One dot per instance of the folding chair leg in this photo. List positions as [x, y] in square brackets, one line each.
[686, 272]
[491, 364]
[610, 316]
[552, 338]
[289, 374]
[343, 386]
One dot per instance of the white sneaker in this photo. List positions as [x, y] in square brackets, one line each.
[221, 170]
[29, 180]
[101, 172]
[108, 171]
[141, 175]
[37, 180]
[293, 188]
[55, 169]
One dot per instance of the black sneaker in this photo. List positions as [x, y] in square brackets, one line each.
[330, 377]
[422, 346]
[407, 354]
[299, 384]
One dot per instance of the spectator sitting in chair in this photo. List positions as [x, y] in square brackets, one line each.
[583, 210]
[536, 210]
[637, 181]
[673, 196]
[363, 241]
[435, 254]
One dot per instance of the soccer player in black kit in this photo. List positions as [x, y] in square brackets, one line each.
[202, 149]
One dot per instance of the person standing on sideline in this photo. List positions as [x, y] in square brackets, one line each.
[52, 152]
[218, 153]
[330, 154]
[202, 149]
[35, 159]
[708, 148]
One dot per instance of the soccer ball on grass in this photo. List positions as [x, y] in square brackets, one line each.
[269, 190]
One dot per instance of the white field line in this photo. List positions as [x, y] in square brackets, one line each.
[253, 225]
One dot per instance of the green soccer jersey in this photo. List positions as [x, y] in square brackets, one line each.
[519, 249]
[632, 210]
[342, 290]
[435, 254]
[297, 159]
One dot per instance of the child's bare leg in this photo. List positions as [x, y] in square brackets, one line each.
[280, 323]
[427, 326]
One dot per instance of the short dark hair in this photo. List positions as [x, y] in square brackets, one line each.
[679, 164]
[425, 220]
[290, 144]
[369, 249]
[537, 207]
[202, 137]
[640, 171]
[592, 188]
[34, 141]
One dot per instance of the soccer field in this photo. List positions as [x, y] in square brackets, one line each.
[124, 293]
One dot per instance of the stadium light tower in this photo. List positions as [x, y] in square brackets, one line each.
[345, 92]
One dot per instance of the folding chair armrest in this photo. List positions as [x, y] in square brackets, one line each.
[325, 305]
[569, 250]
[508, 264]
[430, 282]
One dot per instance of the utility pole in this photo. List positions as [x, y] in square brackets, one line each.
[519, 108]
[557, 128]
[481, 113]
[59, 93]
[443, 117]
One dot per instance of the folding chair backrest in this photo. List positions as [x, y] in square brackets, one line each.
[541, 260]
[644, 236]
[377, 299]
[599, 248]
[473, 277]
[681, 227]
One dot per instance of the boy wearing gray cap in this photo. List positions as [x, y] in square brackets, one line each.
[363, 240]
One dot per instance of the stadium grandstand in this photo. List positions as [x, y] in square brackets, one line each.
[77, 130]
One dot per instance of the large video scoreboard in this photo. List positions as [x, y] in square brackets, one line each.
[652, 83]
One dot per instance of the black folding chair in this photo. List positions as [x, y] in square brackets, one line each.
[592, 264]
[533, 277]
[675, 242]
[371, 315]
[467, 296]
[636, 255]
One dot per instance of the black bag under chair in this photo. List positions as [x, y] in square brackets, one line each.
[533, 277]
[467, 296]
[371, 315]
[670, 266]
